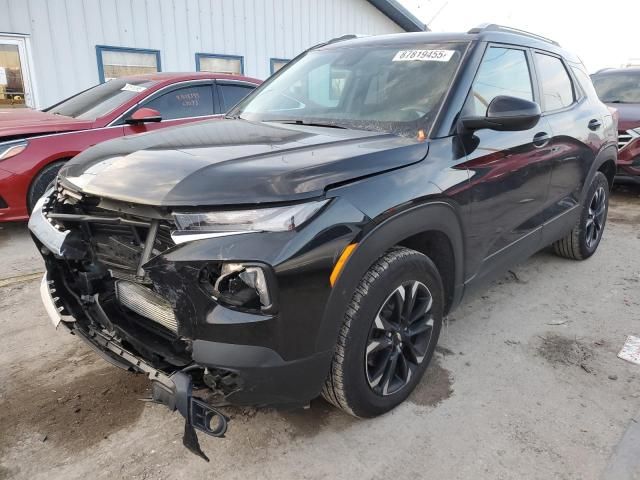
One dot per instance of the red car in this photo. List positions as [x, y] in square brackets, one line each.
[620, 88]
[35, 144]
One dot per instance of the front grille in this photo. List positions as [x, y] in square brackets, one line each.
[625, 137]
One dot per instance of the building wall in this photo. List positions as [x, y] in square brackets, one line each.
[64, 33]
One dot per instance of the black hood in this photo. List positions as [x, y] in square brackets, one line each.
[235, 162]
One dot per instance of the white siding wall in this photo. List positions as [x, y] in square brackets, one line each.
[64, 33]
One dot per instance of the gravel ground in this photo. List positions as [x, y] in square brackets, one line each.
[525, 384]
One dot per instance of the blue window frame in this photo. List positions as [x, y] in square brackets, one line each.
[146, 61]
[218, 63]
[277, 63]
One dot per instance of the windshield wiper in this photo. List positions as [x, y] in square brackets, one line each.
[309, 124]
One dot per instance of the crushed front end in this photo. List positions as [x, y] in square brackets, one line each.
[120, 278]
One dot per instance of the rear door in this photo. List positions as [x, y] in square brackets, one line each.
[577, 126]
[230, 92]
[509, 171]
[186, 102]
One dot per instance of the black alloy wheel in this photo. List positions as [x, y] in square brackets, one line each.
[399, 338]
[596, 217]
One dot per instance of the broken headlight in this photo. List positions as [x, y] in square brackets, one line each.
[244, 286]
[273, 219]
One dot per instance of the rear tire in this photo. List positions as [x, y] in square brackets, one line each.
[387, 340]
[584, 238]
[41, 182]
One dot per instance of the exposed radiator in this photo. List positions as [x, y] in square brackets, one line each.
[146, 303]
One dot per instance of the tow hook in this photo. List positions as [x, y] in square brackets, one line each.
[198, 414]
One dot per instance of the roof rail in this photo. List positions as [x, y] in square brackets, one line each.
[348, 36]
[493, 27]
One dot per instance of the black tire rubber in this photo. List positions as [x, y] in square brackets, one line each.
[41, 182]
[346, 386]
[574, 245]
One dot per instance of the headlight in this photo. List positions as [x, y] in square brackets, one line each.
[275, 219]
[11, 149]
[244, 286]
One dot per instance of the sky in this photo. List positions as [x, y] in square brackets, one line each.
[603, 34]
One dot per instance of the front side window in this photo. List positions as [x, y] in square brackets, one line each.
[227, 64]
[192, 101]
[382, 87]
[618, 86]
[232, 94]
[555, 83]
[503, 71]
[116, 63]
[101, 99]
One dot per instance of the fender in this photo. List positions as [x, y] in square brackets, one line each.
[438, 215]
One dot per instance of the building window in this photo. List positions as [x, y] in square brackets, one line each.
[277, 64]
[115, 62]
[214, 63]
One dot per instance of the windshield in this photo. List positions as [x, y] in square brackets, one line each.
[100, 100]
[618, 87]
[390, 88]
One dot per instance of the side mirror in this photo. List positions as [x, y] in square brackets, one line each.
[144, 115]
[505, 114]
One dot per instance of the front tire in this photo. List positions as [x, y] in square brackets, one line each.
[41, 182]
[388, 336]
[584, 238]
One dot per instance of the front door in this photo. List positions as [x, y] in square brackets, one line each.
[509, 171]
[15, 81]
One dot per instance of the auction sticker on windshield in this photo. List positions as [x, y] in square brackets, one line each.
[133, 88]
[423, 55]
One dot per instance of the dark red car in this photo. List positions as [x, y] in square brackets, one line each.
[620, 88]
[35, 144]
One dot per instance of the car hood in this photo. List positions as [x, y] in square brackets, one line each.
[235, 162]
[628, 115]
[15, 122]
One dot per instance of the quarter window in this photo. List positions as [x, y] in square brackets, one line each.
[555, 83]
[193, 101]
[232, 94]
[503, 71]
[114, 62]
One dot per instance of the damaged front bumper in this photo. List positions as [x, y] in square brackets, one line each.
[175, 391]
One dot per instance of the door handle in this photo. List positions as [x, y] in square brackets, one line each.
[594, 124]
[541, 139]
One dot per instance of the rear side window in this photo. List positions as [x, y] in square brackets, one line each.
[555, 83]
[503, 71]
[232, 94]
[193, 101]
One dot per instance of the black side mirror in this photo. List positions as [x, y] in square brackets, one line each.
[505, 114]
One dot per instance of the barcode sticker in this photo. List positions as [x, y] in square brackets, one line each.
[423, 55]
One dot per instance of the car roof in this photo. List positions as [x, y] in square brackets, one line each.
[615, 71]
[481, 34]
[172, 77]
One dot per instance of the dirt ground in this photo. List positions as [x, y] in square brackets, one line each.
[525, 384]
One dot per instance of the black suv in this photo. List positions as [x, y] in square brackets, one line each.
[313, 242]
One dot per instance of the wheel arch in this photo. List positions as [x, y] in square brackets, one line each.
[433, 229]
[64, 159]
[604, 162]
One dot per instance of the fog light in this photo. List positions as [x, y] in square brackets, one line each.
[243, 286]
